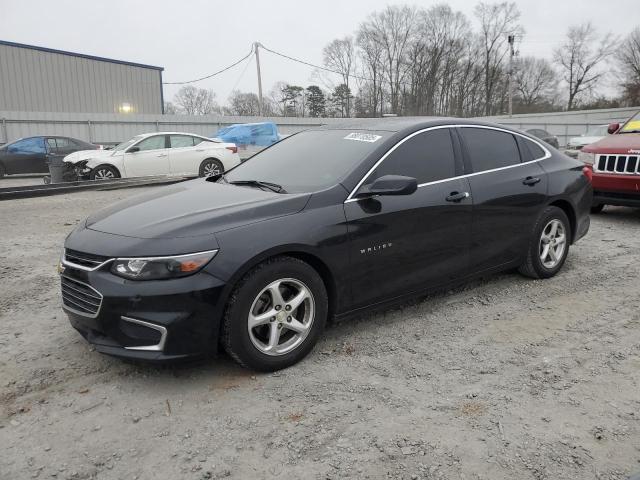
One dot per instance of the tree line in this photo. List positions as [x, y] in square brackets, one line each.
[407, 60]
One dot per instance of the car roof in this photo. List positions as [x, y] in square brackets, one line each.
[169, 133]
[408, 124]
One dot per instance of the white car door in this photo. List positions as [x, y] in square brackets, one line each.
[184, 155]
[148, 157]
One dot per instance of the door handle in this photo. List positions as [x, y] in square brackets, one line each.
[531, 181]
[162, 155]
[200, 150]
[457, 196]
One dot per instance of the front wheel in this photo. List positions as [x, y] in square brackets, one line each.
[549, 245]
[211, 167]
[275, 315]
[104, 172]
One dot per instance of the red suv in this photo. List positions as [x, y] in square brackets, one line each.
[615, 161]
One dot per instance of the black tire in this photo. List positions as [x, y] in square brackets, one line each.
[104, 172]
[595, 209]
[533, 266]
[3, 171]
[213, 164]
[235, 332]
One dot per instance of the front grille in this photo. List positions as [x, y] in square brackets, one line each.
[80, 297]
[87, 260]
[622, 164]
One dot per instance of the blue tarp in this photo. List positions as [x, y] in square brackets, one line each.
[262, 134]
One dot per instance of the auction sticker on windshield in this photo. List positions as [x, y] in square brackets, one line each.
[363, 137]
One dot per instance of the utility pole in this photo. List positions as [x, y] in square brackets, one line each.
[256, 45]
[511, 39]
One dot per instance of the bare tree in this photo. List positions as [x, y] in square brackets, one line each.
[580, 57]
[196, 101]
[340, 55]
[370, 50]
[170, 108]
[535, 81]
[243, 104]
[497, 20]
[393, 28]
[628, 57]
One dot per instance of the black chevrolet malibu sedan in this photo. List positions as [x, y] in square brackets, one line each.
[325, 223]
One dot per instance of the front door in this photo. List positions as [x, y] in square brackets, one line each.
[151, 158]
[27, 156]
[404, 244]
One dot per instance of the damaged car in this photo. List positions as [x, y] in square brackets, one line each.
[158, 153]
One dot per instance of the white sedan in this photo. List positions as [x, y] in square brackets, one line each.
[160, 153]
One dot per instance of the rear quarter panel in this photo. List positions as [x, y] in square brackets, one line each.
[567, 183]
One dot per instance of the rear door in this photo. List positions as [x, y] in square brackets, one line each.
[509, 190]
[184, 157]
[403, 244]
[152, 158]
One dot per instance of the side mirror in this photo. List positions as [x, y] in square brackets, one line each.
[389, 185]
[613, 128]
[133, 150]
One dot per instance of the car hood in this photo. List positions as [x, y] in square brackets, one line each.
[582, 141]
[76, 157]
[625, 143]
[193, 208]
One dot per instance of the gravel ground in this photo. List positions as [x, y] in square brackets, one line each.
[505, 378]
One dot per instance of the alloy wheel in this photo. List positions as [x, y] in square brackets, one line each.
[104, 174]
[281, 316]
[211, 169]
[553, 243]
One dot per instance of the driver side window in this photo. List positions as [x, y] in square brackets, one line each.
[427, 157]
[152, 143]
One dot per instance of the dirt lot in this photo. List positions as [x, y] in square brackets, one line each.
[506, 378]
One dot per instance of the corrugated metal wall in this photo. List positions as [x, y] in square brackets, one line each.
[45, 81]
[112, 128]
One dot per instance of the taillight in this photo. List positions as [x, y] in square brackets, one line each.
[233, 149]
[588, 173]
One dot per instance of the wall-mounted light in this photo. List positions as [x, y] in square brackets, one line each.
[125, 108]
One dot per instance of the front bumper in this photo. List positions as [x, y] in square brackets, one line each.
[160, 320]
[616, 189]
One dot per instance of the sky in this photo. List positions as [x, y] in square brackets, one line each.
[193, 38]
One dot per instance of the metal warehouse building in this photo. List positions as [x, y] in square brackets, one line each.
[37, 79]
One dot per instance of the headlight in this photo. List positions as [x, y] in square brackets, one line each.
[588, 158]
[161, 268]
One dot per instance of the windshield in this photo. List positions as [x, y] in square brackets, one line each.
[127, 144]
[633, 125]
[310, 160]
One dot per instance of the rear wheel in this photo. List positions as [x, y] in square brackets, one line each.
[275, 315]
[104, 172]
[549, 245]
[3, 172]
[597, 208]
[211, 167]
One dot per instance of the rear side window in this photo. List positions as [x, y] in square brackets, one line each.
[427, 157]
[536, 151]
[490, 149]
[181, 141]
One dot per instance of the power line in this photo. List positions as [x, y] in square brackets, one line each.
[244, 70]
[315, 66]
[213, 74]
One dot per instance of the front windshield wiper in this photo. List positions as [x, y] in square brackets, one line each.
[274, 187]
